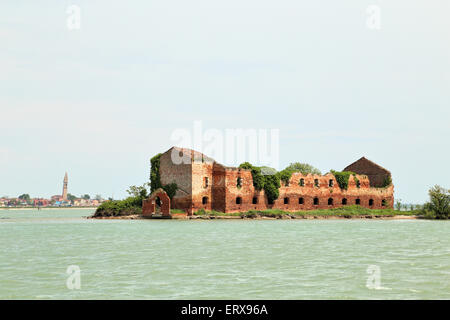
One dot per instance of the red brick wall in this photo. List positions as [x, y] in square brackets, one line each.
[293, 192]
[218, 189]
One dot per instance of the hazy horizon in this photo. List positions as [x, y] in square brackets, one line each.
[100, 101]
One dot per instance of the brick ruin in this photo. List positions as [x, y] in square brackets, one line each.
[205, 184]
[157, 203]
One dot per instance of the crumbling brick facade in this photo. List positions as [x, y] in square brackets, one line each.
[204, 183]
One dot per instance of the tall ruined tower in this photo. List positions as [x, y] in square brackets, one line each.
[64, 194]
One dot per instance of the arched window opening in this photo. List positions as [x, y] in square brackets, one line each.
[239, 182]
[301, 182]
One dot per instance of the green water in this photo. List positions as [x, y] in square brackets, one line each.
[173, 259]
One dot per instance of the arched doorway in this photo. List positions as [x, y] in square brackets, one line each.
[158, 203]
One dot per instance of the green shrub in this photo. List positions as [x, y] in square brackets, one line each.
[342, 178]
[285, 175]
[439, 205]
[128, 206]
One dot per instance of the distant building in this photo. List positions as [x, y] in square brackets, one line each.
[40, 202]
[65, 182]
[56, 198]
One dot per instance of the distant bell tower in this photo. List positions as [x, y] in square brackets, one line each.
[64, 194]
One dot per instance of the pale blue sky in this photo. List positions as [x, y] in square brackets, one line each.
[100, 101]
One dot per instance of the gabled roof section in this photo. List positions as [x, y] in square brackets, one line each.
[195, 155]
[364, 160]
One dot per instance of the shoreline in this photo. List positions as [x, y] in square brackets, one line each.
[284, 217]
[44, 208]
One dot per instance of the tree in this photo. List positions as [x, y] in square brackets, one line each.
[24, 196]
[98, 197]
[138, 191]
[71, 197]
[398, 204]
[86, 197]
[304, 168]
[439, 205]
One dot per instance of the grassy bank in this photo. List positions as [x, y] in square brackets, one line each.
[348, 211]
[130, 208]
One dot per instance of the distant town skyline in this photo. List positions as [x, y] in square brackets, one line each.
[65, 199]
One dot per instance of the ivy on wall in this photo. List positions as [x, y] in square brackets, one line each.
[285, 175]
[269, 182]
[342, 178]
[155, 178]
[387, 182]
[170, 189]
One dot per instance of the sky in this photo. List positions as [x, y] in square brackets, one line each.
[101, 100]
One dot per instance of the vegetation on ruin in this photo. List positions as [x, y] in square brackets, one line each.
[170, 189]
[269, 179]
[387, 182]
[304, 168]
[264, 179]
[438, 207]
[155, 178]
[342, 178]
[285, 175]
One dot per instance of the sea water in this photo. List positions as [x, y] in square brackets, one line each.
[220, 259]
